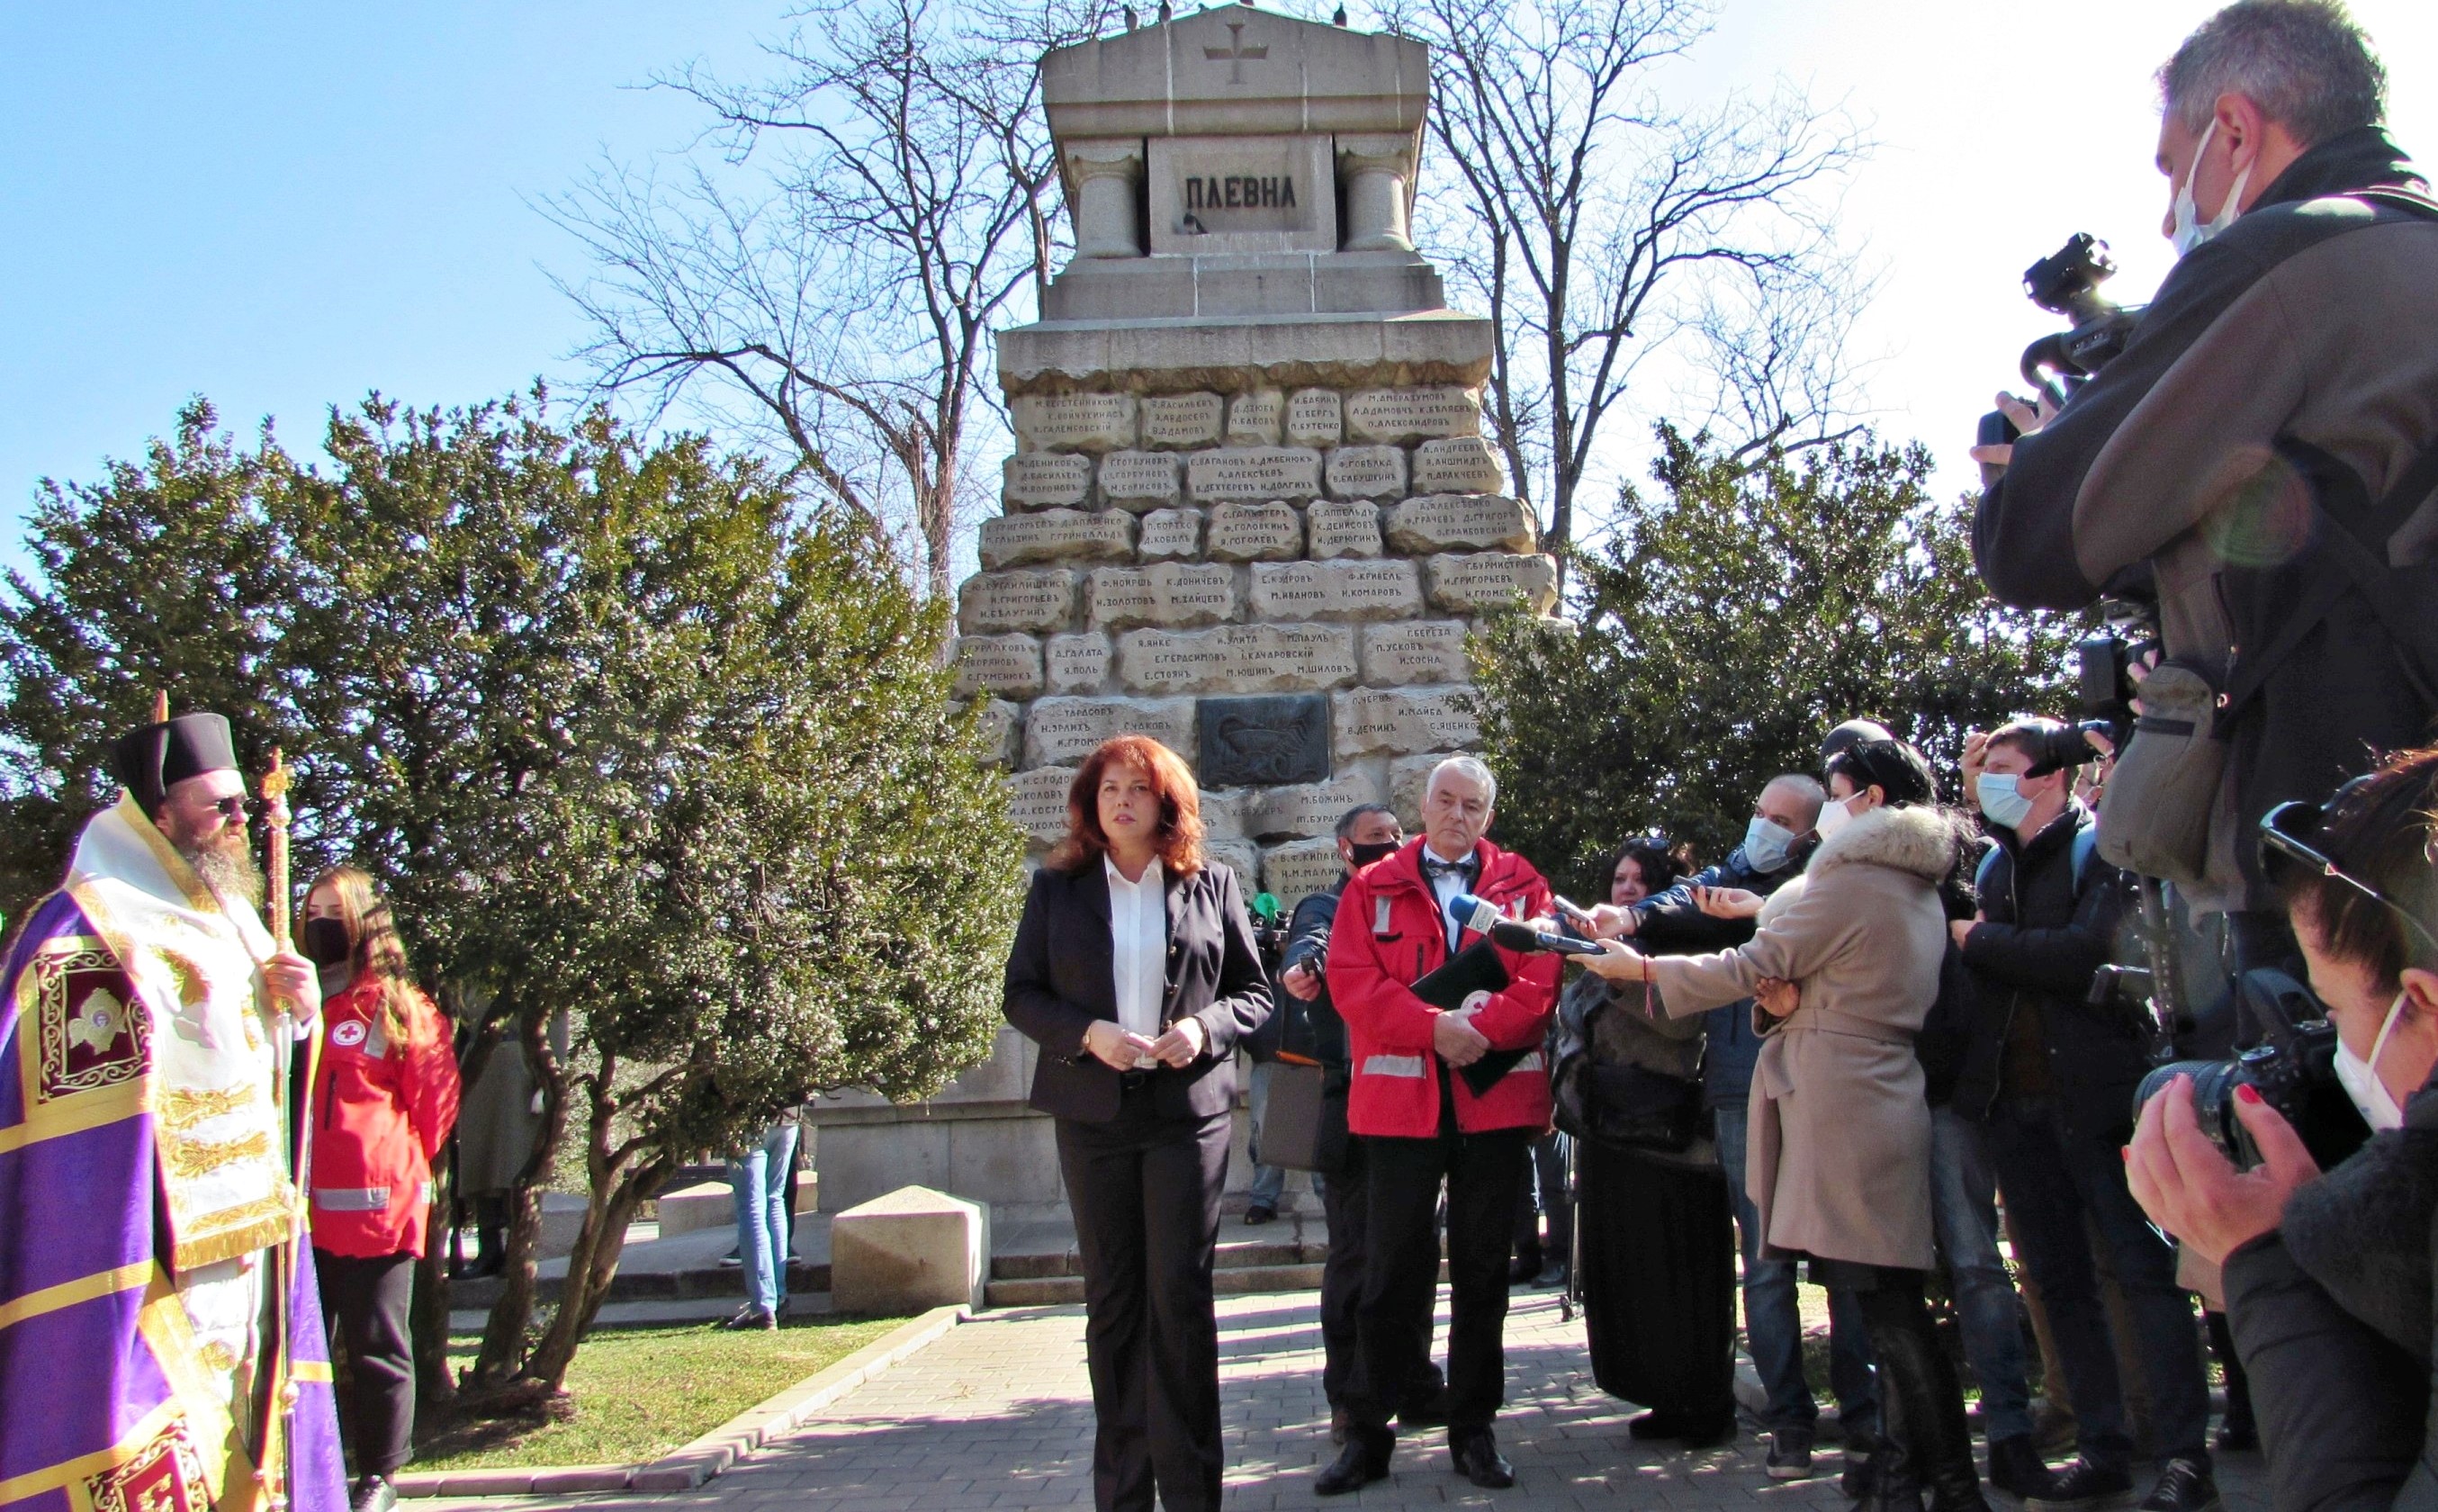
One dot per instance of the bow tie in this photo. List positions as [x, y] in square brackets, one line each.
[1434, 867]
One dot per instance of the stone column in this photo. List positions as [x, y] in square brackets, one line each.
[1105, 175]
[1376, 170]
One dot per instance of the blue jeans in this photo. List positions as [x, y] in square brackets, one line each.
[1773, 1325]
[765, 1228]
[1270, 1182]
[2056, 1180]
[1986, 1311]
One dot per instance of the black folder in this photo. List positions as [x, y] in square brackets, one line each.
[1474, 969]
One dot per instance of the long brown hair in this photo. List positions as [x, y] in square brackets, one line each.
[1179, 840]
[378, 951]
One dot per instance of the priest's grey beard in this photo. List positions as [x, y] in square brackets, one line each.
[227, 866]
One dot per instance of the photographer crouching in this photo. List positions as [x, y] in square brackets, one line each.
[2328, 1277]
[2253, 457]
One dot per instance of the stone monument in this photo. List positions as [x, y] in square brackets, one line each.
[1251, 513]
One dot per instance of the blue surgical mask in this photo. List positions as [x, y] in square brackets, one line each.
[1767, 844]
[2190, 230]
[2002, 798]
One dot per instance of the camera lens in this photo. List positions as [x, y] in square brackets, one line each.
[2214, 1084]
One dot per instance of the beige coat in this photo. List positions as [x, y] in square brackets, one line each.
[1839, 1135]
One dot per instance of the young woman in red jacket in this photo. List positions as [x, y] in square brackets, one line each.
[384, 1099]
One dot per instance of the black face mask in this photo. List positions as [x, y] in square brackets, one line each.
[325, 942]
[1377, 850]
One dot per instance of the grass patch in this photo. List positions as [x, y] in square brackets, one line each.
[636, 1393]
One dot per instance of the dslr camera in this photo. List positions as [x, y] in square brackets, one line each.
[2104, 669]
[2293, 1068]
[2066, 283]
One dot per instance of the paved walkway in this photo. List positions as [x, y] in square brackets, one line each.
[998, 1413]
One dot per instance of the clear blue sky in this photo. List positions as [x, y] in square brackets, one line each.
[282, 206]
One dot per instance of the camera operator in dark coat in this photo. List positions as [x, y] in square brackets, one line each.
[2329, 1278]
[1366, 833]
[2052, 1077]
[2282, 380]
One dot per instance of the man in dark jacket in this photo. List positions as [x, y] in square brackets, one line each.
[2053, 1076]
[1777, 841]
[2226, 466]
[1365, 834]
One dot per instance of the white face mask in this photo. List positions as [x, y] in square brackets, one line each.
[2376, 1105]
[1835, 816]
[2190, 232]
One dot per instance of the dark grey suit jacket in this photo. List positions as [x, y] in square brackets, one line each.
[1059, 979]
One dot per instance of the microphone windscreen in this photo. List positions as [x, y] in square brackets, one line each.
[1472, 913]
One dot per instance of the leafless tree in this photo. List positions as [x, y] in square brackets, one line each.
[827, 268]
[1612, 234]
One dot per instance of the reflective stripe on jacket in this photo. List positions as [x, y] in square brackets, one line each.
[381, 1110]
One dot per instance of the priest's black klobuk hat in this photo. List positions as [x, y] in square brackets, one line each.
[148, 761]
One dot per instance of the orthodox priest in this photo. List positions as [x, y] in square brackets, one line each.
[160, 1344]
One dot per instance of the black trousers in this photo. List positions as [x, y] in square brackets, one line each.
[1145, 1193]
[366, 1302]
[1346, 1203]
[1484, 1173]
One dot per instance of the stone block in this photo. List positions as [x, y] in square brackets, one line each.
[1367, 472]
[1254, 419]
[1342, 348]
[1073, 422]
[1460, 522]
[1171, 536]
[1271, 739]
[1398, 721]
[1457, 465]
[1399, 417]
[1037, 800]
[1315, 417]
[1057, 535]
[1409, 779]
[1271, 531]
[1219, 195]
[1168, 593]
[1002, 726]
[1044, 480]
[1237, 659]
[1005, 664]
[1240, 857]
[1298, 869]
[1181, 421]
[712, 1204]
[1076, 663]
[1024, 598]
[911, 1251]
[1484, 581]
[1412, 651]
[1307, 808]
[1342, 527]
[1336, 590]
[1253, 472]
[1223, 812]
[1063, 730]
[1140, 479]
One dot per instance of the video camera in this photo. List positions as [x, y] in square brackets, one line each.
[2293, 1068]
[2066, 283]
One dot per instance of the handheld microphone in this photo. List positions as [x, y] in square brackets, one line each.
[1472, 913]
[1523, 937]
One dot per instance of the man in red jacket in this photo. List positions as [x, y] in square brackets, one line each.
[1420, 1121]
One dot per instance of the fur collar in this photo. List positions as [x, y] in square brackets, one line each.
[1919, 839]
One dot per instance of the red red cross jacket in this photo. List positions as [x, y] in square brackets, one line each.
[1390, 932]
[381, 1110]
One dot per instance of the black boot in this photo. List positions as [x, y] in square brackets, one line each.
[490, 1252]
[1924, 1405]
[1365, 1459]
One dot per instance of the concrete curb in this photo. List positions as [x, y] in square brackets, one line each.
[689, 1465]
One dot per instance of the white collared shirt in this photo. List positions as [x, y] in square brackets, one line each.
[1139, 947]
[1448, 887]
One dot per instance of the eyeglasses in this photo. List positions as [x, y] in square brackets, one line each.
[2286, 836]
[236, 806]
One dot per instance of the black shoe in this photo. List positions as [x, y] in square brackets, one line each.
[2184, 1485]
[748, 1318]
[1427, 1412]
[731, 1258]
[373, 1493]
[2016, 1467]
[1860, 1474]
[1259, 1213]
[1476, 1458]
[1790, 1457]
[1365, 1459]
[2082, 1484]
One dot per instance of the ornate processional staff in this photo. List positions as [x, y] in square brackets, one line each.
[279, 1404]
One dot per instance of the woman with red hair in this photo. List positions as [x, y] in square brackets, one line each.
[1135, 972]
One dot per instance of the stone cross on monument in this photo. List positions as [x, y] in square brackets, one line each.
[1250, 512]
